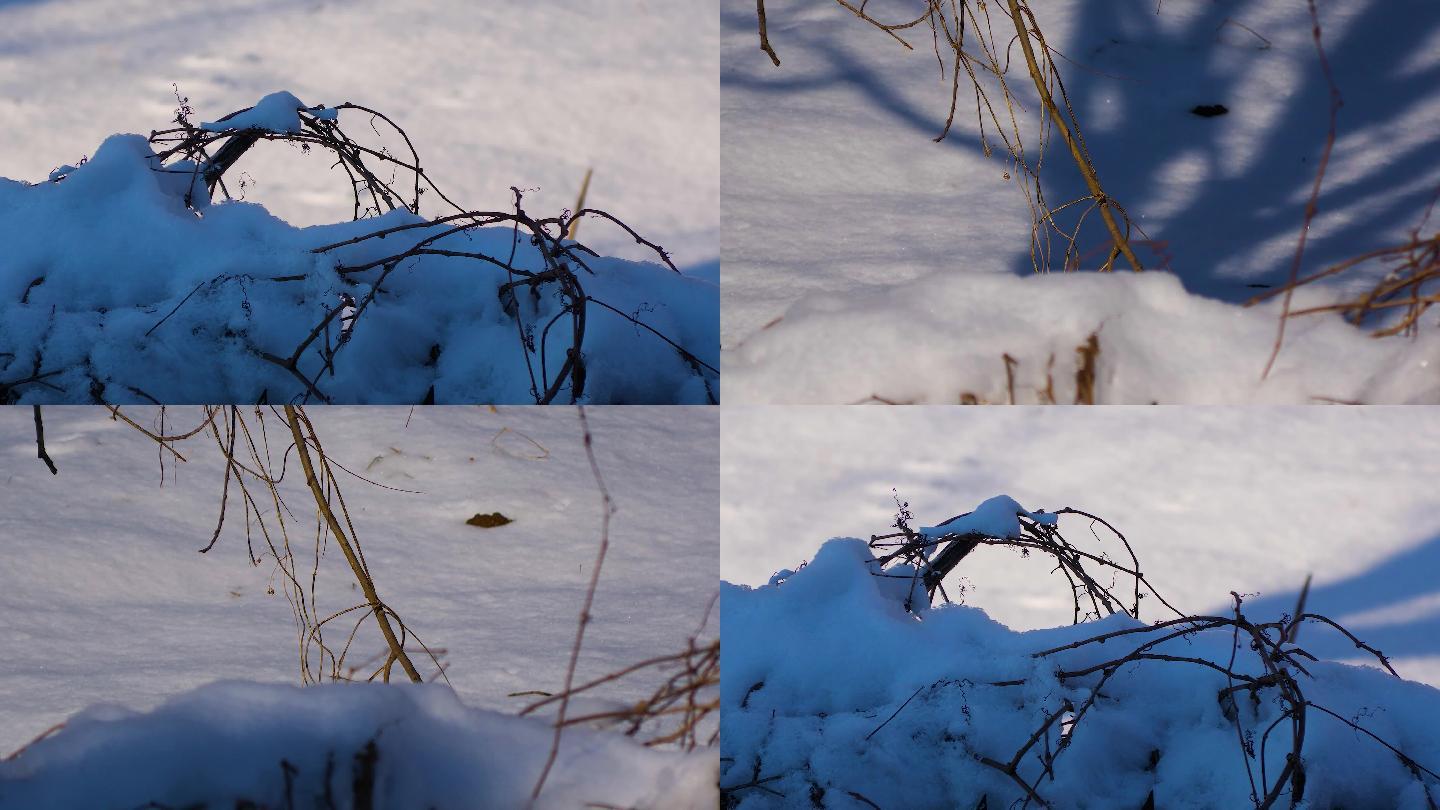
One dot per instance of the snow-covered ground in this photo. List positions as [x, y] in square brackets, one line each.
[1212, 499]
[108, 605]
[862, 260]
[494, 96]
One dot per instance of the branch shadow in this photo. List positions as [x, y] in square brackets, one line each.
[856, 67]
[1256, 164]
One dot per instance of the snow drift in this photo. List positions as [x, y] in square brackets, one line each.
[239, 744]
[835, 695]
[1156, 343]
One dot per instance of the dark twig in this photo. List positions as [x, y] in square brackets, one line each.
[40, 442]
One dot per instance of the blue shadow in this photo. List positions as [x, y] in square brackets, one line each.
[1409, 575]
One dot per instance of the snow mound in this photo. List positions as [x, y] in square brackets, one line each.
[234, 744]
[942, 339]
[114, 289]
[833, 691]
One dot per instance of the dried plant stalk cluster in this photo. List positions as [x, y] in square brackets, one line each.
[255, 467]
[963, 39]
[680, 712]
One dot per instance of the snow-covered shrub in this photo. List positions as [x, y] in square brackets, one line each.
[120, 281]
[842, 689]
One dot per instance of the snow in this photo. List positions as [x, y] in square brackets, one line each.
[995, 517]
[114, 289]
[862, 260]
[933, 342]
[108, 605]
[832, 688]
[276, 112]
[1213, 499]
[231, 743]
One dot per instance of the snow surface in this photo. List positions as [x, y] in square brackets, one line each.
[1212, 499]
[112, 288]
[862, 260]
[494, 96]
[831, 688]
[276, 112]
[229, 743]
[107, 602]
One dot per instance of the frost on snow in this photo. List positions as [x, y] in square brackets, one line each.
[835, 691]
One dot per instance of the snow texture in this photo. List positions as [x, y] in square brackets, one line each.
[864, 261]
[125, 294]
[833, 690]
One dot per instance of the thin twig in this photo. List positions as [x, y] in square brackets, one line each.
[584, 620]
[1312, 205]
[40, 442]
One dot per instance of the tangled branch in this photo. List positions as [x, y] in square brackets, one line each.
[928, 558]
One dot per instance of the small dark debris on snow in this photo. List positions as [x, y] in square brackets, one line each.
[489, 521]
[1209, 110]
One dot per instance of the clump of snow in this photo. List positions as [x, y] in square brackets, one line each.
[113, 288]
[277, 112]
[833, 689]
[781, 575]
[233, 744]
[995, 517]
